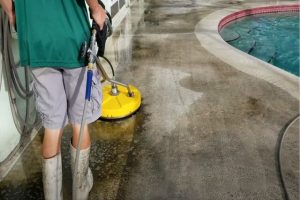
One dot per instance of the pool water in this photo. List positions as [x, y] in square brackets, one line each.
[272, 37]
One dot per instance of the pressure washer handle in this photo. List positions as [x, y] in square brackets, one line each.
[89, 81]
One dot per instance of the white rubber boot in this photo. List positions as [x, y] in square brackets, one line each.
[52, 178]
[84, 174]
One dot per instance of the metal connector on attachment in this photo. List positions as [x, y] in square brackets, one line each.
[114, 90]
[113, 82]
[130, 93]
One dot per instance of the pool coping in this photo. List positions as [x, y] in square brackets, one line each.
[207, 32]
[258, 10]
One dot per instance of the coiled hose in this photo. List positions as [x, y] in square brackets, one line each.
[14, 83]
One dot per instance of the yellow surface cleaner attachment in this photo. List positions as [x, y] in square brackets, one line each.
[119, 100]
[117, 103]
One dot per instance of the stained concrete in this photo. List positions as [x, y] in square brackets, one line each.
[205, 130]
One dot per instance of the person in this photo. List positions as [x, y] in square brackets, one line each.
[50, 37]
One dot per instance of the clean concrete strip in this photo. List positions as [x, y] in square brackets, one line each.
[207, 33]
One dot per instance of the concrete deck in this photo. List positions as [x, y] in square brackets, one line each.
[206, 130]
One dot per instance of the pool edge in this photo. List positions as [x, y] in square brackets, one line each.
[258, 10]
[207, 32]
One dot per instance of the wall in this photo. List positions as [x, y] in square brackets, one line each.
[9, 135]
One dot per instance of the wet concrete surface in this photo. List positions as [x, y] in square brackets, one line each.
[205, 130]
[110, 149]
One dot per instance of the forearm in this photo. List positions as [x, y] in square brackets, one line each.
[97, 12]
[7, 6]
[93, 5]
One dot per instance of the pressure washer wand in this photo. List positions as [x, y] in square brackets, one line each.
[92, 55]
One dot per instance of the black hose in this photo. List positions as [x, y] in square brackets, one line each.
[112, 69]
[252, 48]
[14, 83]
[278, 155]
[27, 117]
[234, 39]
[272, 57]
[9, 61]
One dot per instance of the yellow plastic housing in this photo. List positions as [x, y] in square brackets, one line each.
[120, 106]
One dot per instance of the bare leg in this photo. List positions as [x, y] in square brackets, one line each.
[86, 141]
[51, 142]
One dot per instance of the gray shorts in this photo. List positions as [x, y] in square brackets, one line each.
[60, 96]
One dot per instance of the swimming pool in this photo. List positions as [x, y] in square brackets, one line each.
[272, 37]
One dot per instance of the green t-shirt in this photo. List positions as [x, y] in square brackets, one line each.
[51, 32]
